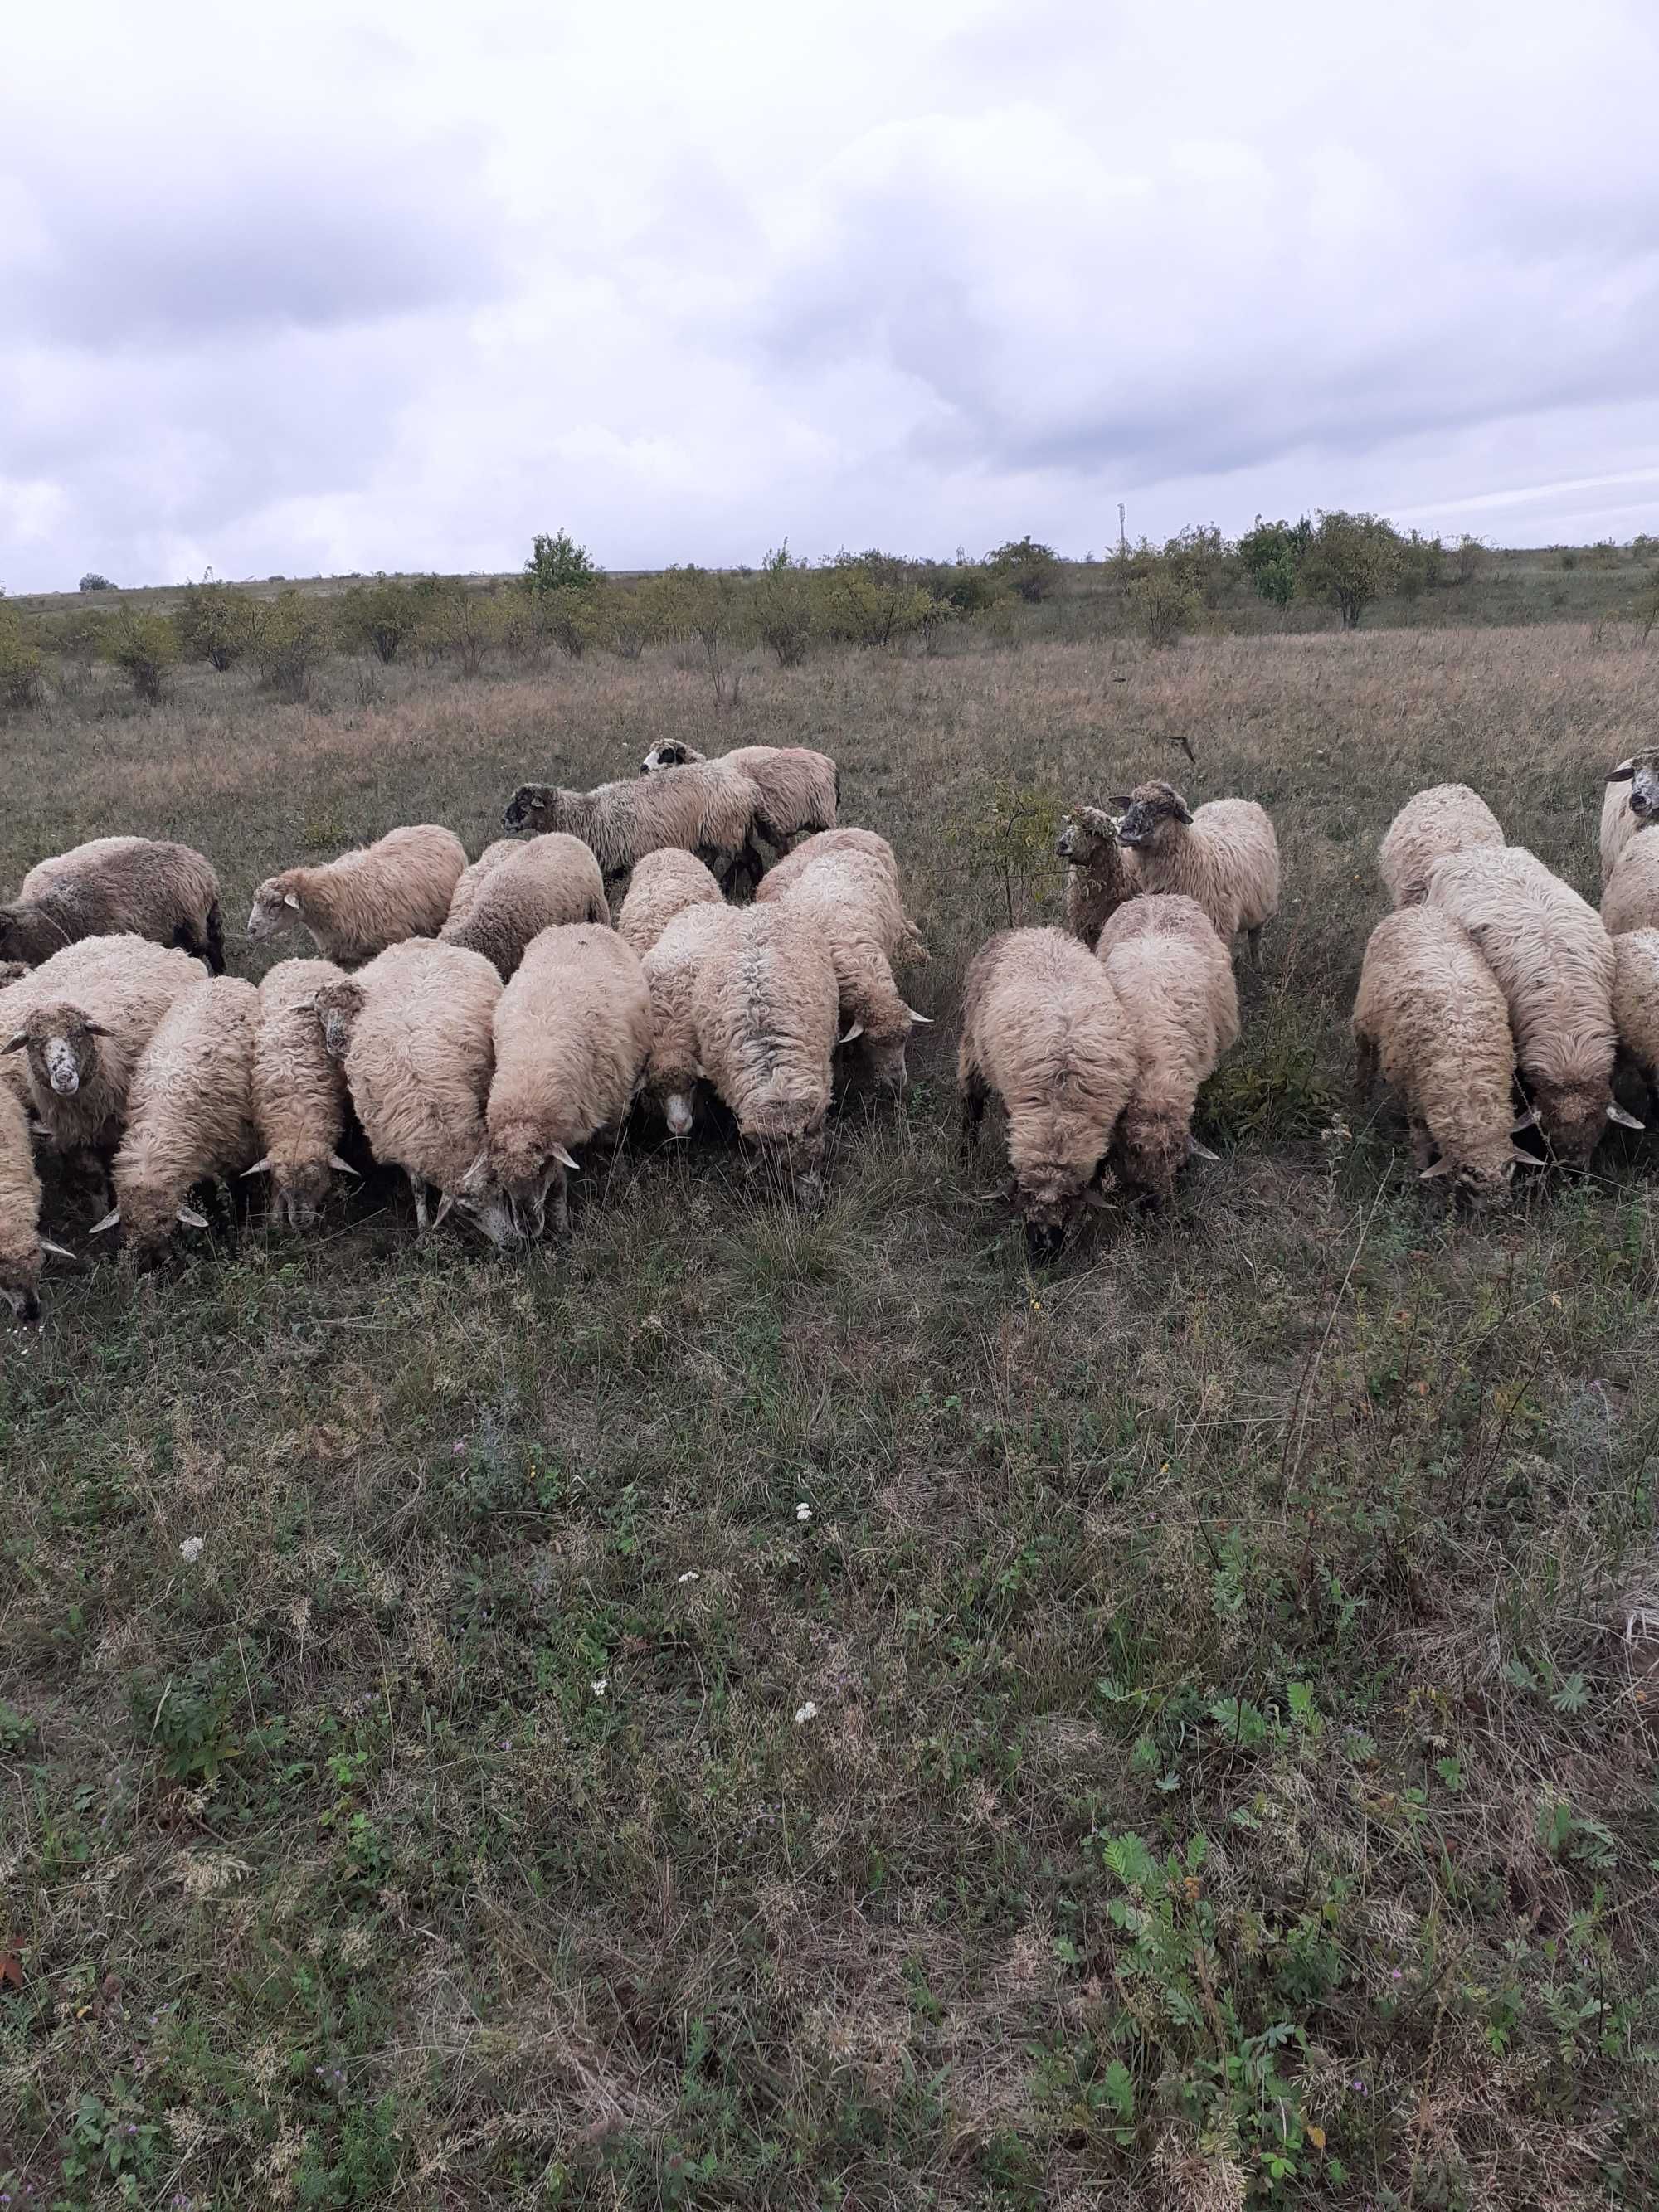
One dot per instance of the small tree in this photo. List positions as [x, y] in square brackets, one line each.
[215, 624]
[23, 680]
[1026, 567]
[144, 646]
[381, 617]
[1007, 834]
[783, 607]
[1165, 607]
[559, 564]
[1199, 557]
[872, 599]
[1271, 555]
[290, 636]
[571, 618]
[92, 581]
[1351, 560]
[1422, 565]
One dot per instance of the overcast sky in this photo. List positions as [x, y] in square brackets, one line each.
[349, 286]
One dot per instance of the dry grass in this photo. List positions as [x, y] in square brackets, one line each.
[1307, 1536]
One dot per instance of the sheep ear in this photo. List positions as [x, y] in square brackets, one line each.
[18, 1042]
[96, 1029]
[444, 1205]
[58, 1251]
[1529, 1120]
[1183, 814]
[191, 1218]
[259, 1167]
[1624, 772]
[565, 1160]
[927, 1020]
[1440, 1167]
[110, 1220]
[1195, 1151]
[289, 899]
[857, 1031]
[1617, 1113]
[344, 1166]
[1120, 802]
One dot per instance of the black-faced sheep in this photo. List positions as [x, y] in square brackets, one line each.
[765, 1007]
[536, 885]
[1448, 818]
[1630, 802]
[1174, 981]
[801, 789]
[1225, 856]
[357, 906]
[699, 809]
[117, 886]
[664, 884]
[1042, 1028]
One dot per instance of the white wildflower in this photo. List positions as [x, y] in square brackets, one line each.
[600, 1686]
[690, 1575]
[809, 1712]
[803, 1512]
[192, 1550]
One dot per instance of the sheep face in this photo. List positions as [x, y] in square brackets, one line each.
[672, 755]
[1641, 772]
[533, 806]
[1576, 1117]
[884, 1058]
[275, 906]
[1154, 814]
[28, 935]
[337, 1006]
[1150, 1151]
[298, 1190]
[1049, 1198]
[789, 1152]
[1089, 830]
[20, 1278]
[62, 1045]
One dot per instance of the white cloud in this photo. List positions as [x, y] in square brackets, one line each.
[343, 286]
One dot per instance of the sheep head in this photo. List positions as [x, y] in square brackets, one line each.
[533, 806]
[1154, 813]
[300, 1183]
[1641, 773]
[29, 934]
[278, 903]
[1089, 834]
[1576, 1114]
[672, 754]
[788, 1136]
[62, 1044]
[337, 1006]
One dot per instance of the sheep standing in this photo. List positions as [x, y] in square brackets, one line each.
[1448, 818]
[299, 1091]
[413, 1029]
[1225, 856]
[537, 885]
[1631, 897]
[117, 886]
[79, 1022]
[1630, 802]
[853, 905]
[699, 809]
[1553, 962]
[1635, 1003]
[1174, 981]
[355, 906]
[672, 969]
[800, 788]
[1099, 877]
[1431, 1015]
[572, 1036]
[664, 884]
[764, 1010]
[21, 1241]
[189, 1112]
[1042, 1027]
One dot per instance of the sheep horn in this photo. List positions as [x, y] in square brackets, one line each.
[1520, 1159]
[344, 1166]
[191, 1218]
[1440, 1167]
[857, 1031]
[444, 1205]
[927, 1020]
[259, 1167]
[1529, 1120]
[565, 1160]
[1616, 1113]
[58, 1251]
[110, 1220]
[1201, 1151]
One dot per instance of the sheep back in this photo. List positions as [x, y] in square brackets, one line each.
[1630, 899]
[379, 895]
[138, 886]
[1174, 981]
[664, 884]
[1636, 1000]
[299, 1089]
[1448, 818]
[764, 1010]
[543, 885]
[190, 1110]
[672, 969]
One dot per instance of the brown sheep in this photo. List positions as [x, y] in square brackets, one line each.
[541, 884]
[357, 906]
[117, 886]
[1099, 875]
[664, 884]
[1225, 856]
[1174, 979]
[299, 1098]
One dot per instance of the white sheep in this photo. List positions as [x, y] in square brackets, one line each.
[1174, 981]
[1430, 1016]
[413, 1032]
[664, 884]
[299, 1098]
[357, 905]
[1225, 856]
[190, 1113]
[1630, 899]
[672, 969]
[572, 1036]
[537, 885]
[700, 809]
[800, 788]
[21, 1241]
[1553, 962]
[851, 902]
[1630, 802]
[115, 886]
[764, 1008]
[1448, 818]
[859, 845]
[1635, 1003]
[1042, 1028]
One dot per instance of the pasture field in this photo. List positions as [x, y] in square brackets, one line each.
[752, 1709]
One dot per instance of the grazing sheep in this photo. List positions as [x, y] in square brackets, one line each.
[80, 1021]
[664, 884]
[1624, 812]
[299, 1098]
[672, 969]
[764, 1008]
[1042, 1027]
[117, 886]
[354, 907]
[1635, 1003]
[864, 844]
[1099, 878]
[21, 1241]
[853, 907]
[1225, 856]
[471, 878]
[1553, 962]
[801, 789]
[190, 1113]
[413, 1029]
[699, 809]
[1630, 899]
[572, 1033]
[1448, 818]
[536, 885]
[1174, 981]
[1431, 1016]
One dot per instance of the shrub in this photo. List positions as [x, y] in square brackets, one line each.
[1271, 555]
[144, 646]
[22, 682]
[668, 604]
[1422, 566]
[1471, 559]
[571, 618]
[783, 607]
[872, 601]
[1165, 607]
[214, 623]
[1027, 568]
[1351, 560]
[463, 626]
[380, 617]
[92, 581]
[626, 620]
[972, 592]
[1007, 834]
[1200, 558]
[559, 564]
[289, 635]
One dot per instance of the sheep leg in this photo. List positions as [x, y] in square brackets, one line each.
[973, 1108]
[417, 1184]
[212, 950]
[1366, 1061]
[1424, 1148]
[1254, 939]
[561, 1205]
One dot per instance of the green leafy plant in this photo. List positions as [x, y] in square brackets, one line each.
[1351, 560]
[1007, 834]
[784, 607]
[557, 563]
[144, 646]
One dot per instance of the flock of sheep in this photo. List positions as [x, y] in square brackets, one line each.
[479, 1024]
